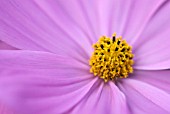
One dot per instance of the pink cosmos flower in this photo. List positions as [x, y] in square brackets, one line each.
[49, 73]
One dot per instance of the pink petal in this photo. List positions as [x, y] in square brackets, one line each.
[147, 91]
[42, 83]
[152, 47]
[158, 79]
[44, 26]
[4, 109]
[128, 17]
[135, 15]
[103, 98]
[5, 46]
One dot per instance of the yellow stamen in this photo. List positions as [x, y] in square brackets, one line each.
[112, 58]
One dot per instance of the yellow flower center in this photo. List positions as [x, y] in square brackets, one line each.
[112, 58]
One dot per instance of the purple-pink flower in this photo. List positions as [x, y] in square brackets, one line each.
[46, 71]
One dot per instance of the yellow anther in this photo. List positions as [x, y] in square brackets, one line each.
[112, 58]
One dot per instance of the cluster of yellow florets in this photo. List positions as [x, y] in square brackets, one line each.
[112, 58]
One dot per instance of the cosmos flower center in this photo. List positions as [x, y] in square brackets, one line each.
[112, 58]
